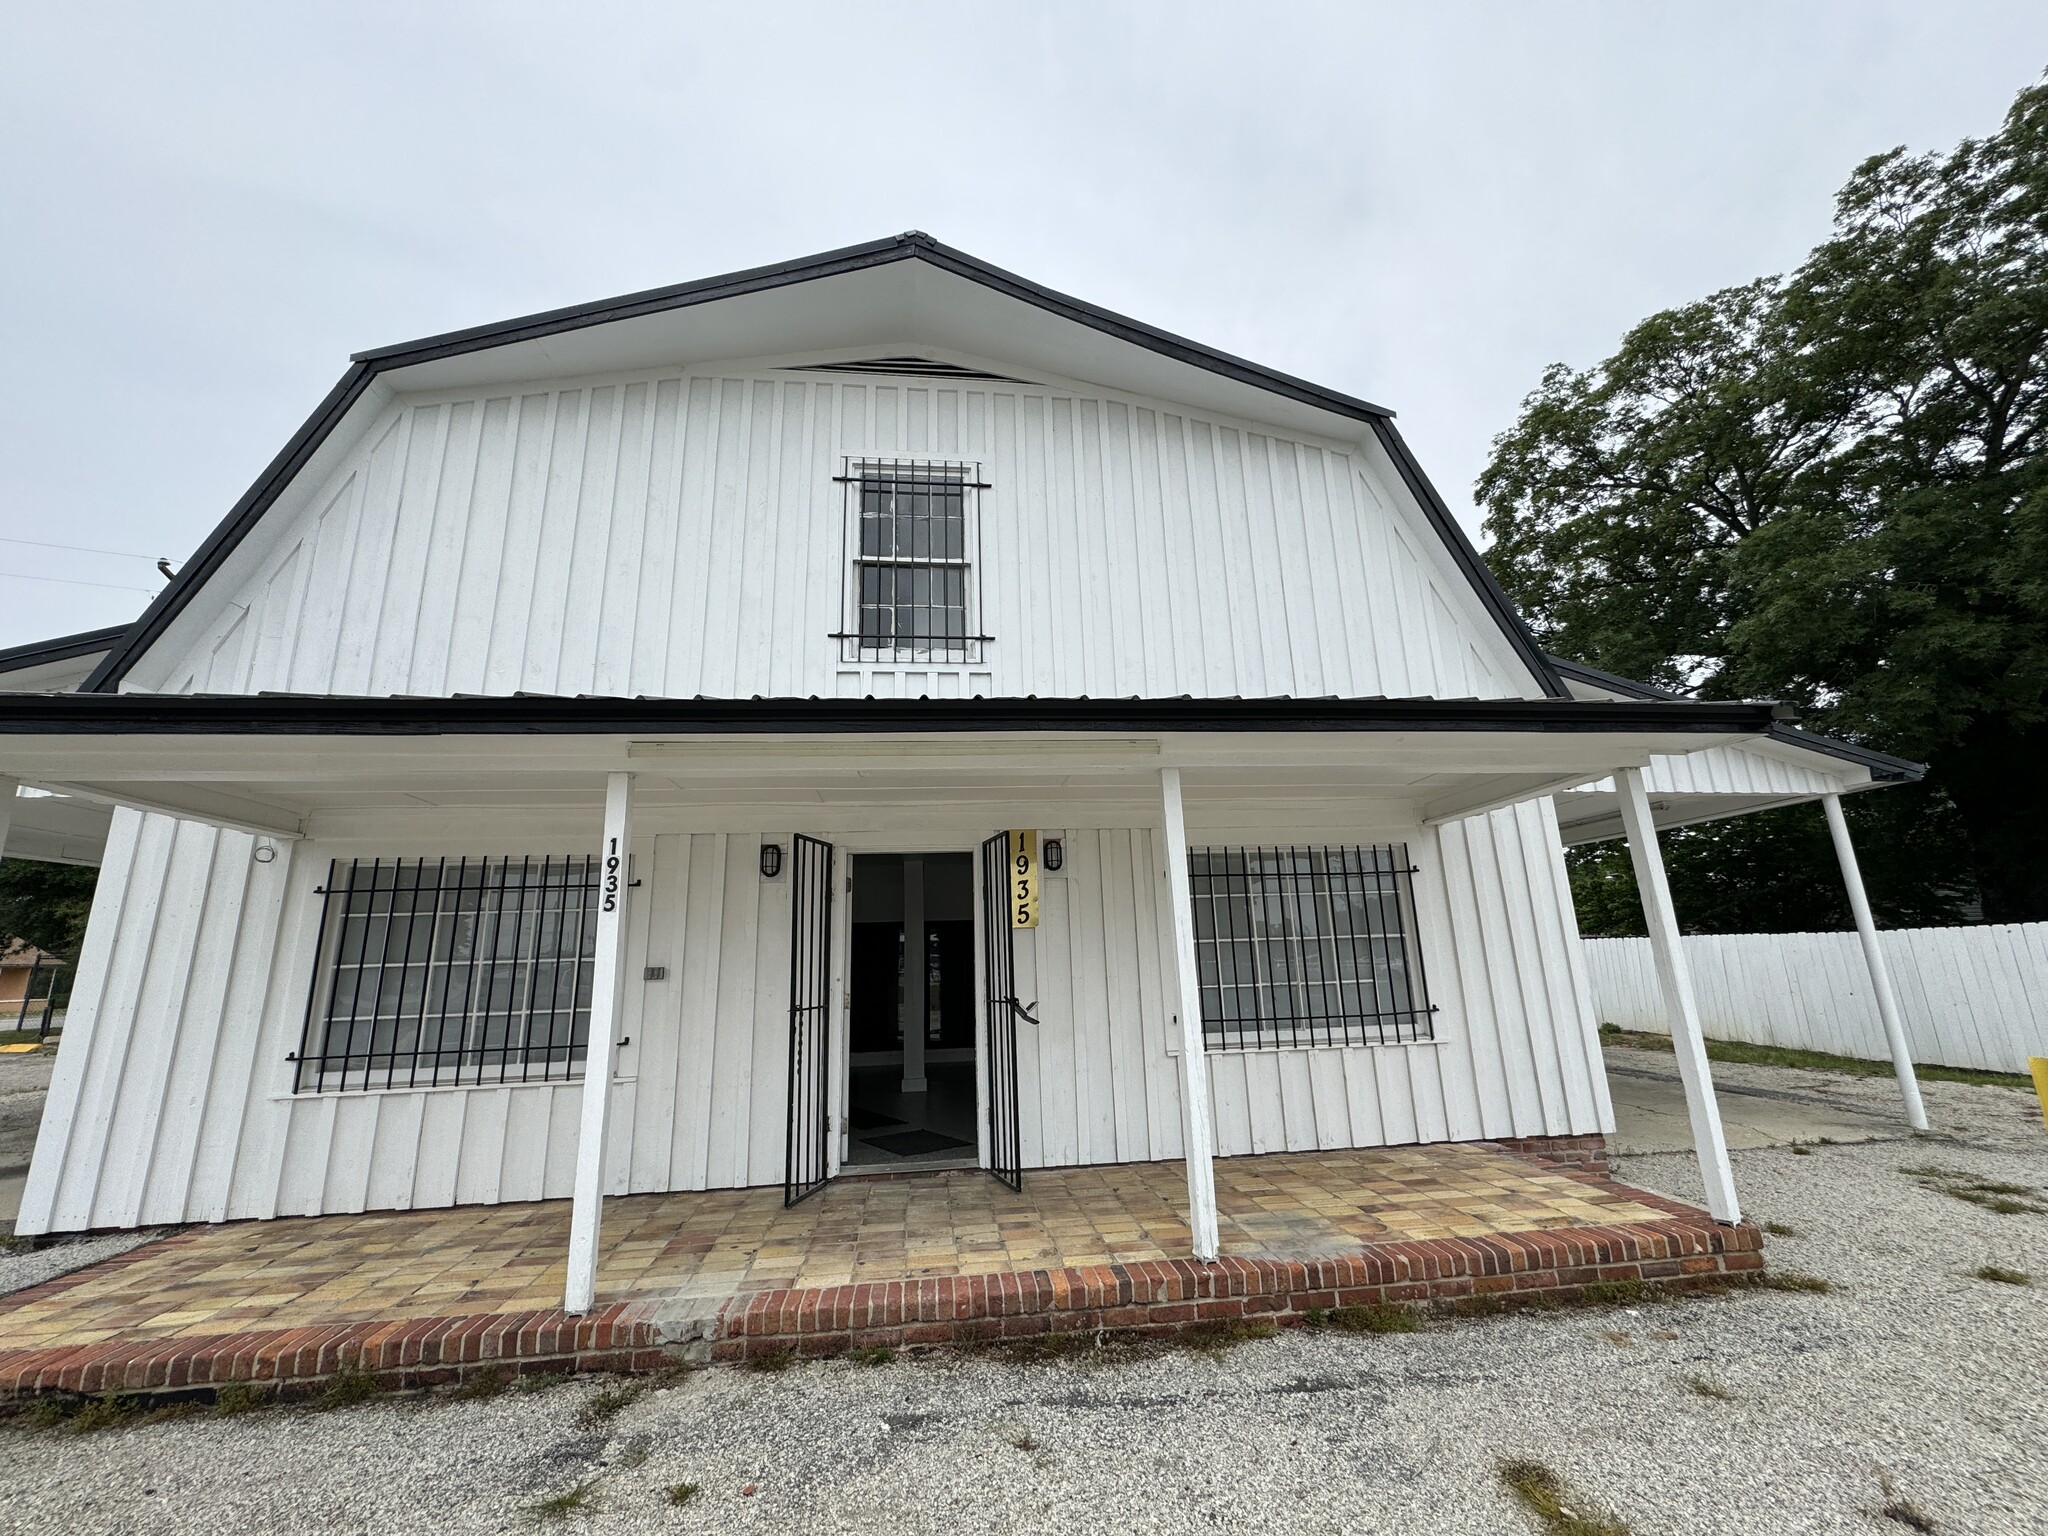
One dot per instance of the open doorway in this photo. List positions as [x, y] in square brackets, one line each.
[911, 1013]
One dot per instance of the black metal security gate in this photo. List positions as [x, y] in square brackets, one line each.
[810, 1018]
[1000, 1010]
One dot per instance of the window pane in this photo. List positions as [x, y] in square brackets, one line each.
[1306, 946]
[475, 971]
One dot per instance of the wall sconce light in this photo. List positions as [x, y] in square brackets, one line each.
[1053, 854]
[771, 860]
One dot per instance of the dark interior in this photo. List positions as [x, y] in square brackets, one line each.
[897, 1118]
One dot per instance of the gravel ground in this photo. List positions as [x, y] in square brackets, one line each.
[1909, 1368]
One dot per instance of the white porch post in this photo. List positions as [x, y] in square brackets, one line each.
[1194, 1060]
[1674, 976]
[607, 986]
[1873, 957]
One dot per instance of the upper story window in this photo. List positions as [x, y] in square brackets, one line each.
[912, 583]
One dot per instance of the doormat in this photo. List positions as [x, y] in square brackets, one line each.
[913, 1143]
[870, 1119]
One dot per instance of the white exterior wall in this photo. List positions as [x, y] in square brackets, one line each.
[172, 1095]
[468, 545]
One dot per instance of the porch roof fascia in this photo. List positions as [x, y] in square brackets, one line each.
[148, 714]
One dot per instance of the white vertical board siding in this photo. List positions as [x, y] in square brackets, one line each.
[1972, 997]
[467, 545]
[172, 1095]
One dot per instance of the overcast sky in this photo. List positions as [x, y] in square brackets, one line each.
[207, 208]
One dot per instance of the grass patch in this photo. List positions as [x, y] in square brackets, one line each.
[1780, 1229]
[607, 1403]
[1897, 1506]
[1819, 1061]
[682, 1493]
[1794, 1280]
[347, 1387]
[21, 1036]
[871, 1354]
[1998, 1274]
[236, 1397]
[543, 1381]
[772, 1360]
[1996, 1195]
[1706, 1386]
[481, 1386]
[106, 1411]
[580, 1500]
[1563, 1513]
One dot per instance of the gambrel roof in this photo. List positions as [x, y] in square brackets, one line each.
[913, 287]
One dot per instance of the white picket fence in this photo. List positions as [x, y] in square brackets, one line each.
[1972, 997]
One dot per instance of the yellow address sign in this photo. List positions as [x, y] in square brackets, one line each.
[1023, 879]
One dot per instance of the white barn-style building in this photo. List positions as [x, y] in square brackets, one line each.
[870, 712]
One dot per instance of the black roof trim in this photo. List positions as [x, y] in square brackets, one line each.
[911, 246]
[1882, 765]
[269, 715]
[241, 518]
[1448, 529]
[1594, 677]
[36, 653]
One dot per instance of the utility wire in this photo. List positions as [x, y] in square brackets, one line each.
[76, 549]
[71, 581]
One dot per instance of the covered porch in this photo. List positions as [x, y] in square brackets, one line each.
[955, 1257]
[310, 782]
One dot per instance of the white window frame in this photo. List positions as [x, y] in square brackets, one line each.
[967, 650]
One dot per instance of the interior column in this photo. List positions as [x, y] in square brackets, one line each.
[1196, 1119]
[1674, 976]
[916, 969]
[1873, 957]
[607, 990]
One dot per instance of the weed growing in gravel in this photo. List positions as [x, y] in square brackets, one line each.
[1992, 1194]
[1619, 1339]
[1706, 1386]
[1381, 1317]
[348, 1386]
[1794, 1280]
[233, 1397]
[103, 1412]
[481, 1386]
[1543, 1493]
[543, 1381]
[871, 1354]
[772, 1360]
[1779, 1229]
[49, 1412]
[1801, 1149]
[580, 1500]
[1615, 1293]
[1223, 1333]
[1022, 1439]
[607, 1403]
[2000, 1275]
[682, 1493]
[1897, 1507]
[633, 1453]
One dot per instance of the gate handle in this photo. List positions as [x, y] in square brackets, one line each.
[1029, 1016]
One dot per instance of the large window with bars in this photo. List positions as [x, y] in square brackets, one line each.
[912, 589]
[1307, 947]
[445, 972]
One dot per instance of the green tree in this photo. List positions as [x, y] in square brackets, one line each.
[1832, 488]
[46, 905]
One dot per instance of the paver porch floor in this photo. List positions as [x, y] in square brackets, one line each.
[312, 1271]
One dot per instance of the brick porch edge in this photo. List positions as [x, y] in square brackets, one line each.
[1686, 1248]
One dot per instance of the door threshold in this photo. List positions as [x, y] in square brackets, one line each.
[908, 1170]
